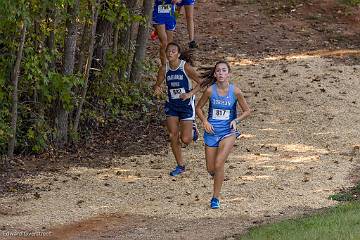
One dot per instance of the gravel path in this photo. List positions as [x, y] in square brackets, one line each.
[297, 149]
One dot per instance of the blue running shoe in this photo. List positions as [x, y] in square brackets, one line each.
[195, 132]
[214, 203]
[177, 171]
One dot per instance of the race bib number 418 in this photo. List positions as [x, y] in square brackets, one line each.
[221, 114]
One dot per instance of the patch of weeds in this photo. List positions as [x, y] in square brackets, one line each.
[348, 195]
[350, 2]
[342, 197]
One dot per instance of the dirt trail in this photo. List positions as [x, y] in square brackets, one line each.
[297, 148]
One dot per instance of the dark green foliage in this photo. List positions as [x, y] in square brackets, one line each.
[348, 194]
[42, 83]
[351, 2]
[342, 197]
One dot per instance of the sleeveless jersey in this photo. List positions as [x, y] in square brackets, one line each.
[177, 83]
[222, 109]
[163, 9]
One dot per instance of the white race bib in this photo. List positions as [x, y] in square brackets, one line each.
[166, 8]
[221, 114]
[176, 92]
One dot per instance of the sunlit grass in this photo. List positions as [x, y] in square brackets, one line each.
[341, 223]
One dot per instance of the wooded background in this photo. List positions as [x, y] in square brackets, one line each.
[68, 66]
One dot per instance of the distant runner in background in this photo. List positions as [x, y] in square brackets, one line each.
[189, 14]
[164, 22]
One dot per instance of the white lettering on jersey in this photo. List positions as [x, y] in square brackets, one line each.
[175, 77]
[221, 102]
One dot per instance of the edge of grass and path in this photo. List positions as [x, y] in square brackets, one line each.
[341, 222]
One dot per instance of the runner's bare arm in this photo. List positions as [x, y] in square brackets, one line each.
[160, 79]
[199, 110]
[245, 109]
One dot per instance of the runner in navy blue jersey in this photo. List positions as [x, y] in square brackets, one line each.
[180, 104]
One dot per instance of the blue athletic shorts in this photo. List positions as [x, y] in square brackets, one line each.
[169, 22]
[186, 2]
[213, 140]
[186, 112]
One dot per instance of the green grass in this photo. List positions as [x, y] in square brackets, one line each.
[347, 195]
[337, 223]
[350, 2]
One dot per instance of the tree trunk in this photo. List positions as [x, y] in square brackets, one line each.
[104, 33]
[82, 52]
[84, 43]
[125, 35]
[115, 50]
[95, 12]
[14, 79]
[125, 43]
[51, 39]
[37, 50]
[130, 51]
[70, 39]
[69, 60]
[125, 38]
[50, 45]
[141, 42]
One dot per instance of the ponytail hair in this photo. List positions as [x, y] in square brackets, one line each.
[208, 76]
[187, 55]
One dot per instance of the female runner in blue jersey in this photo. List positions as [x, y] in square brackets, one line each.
[189, 14]
[221, 124]
[163, 19]
[180, 104]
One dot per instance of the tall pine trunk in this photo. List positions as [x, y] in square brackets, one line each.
[95, 13]
[15, 80]
[37, 50]
[141, 42]
[62, 115]
[50, 43]
[104, 32]
[83, 45]
[115, 50]
[125, 39]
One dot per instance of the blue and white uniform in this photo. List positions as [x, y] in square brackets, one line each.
[178, 82]
[222, 110]
[164, 13]
[186, 2]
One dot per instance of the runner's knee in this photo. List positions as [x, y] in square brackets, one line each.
[186, 139]
[174, 135]
[219, 166]
[163, 44]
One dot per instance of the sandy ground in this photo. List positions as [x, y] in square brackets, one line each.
[298, 147]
